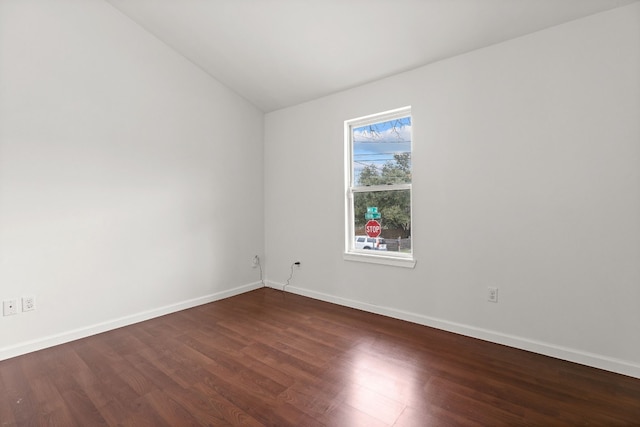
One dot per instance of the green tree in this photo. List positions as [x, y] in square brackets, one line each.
[393, 205]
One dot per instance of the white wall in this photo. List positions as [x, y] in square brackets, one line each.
[130, 181]
[526, 177]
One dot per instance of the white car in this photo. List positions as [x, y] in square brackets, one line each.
[375, 243]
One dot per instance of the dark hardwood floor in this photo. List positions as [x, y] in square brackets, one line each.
[268, 358]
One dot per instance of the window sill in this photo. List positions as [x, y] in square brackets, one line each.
[380, 259]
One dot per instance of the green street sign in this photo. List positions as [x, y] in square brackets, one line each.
[372, 213]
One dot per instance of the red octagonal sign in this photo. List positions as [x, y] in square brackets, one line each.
[372, 228]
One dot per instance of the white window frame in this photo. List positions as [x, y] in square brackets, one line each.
[351, 254]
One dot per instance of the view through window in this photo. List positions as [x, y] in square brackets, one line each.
[379, 184]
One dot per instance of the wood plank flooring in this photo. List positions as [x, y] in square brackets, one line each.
[269, 358]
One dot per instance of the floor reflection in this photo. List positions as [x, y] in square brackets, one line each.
[383, 379]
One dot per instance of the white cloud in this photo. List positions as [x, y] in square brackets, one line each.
[400, 134]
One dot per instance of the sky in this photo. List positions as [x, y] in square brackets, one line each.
[377, 143]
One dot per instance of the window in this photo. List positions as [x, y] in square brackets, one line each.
[378, 188]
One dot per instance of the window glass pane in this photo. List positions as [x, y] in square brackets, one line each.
[378, 184]
[392, 210]
[382, 153]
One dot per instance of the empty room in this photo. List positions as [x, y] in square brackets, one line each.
[319, 213]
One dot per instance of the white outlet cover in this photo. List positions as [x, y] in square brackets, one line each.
[10, 307]
[493, 294]
[28, 303]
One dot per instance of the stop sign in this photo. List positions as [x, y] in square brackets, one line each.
[372, 228]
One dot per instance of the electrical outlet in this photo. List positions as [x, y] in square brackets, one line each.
[255, 261]
[10, 307]
[28, 303]
[492, 296]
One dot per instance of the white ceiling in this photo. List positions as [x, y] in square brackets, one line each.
[278, 53]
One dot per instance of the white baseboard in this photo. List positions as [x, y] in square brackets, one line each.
[64, 337]
[558, 352]
[281, 287]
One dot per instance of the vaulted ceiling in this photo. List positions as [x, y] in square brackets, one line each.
[278, 53]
